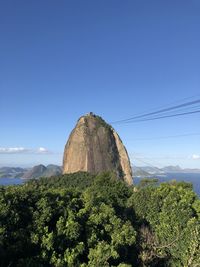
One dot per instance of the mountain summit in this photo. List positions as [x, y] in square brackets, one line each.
[94, 146]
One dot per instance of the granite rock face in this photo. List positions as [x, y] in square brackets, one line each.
[94, 146]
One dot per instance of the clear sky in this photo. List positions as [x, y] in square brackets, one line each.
[62, 59]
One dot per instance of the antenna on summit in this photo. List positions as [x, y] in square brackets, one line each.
[90, 114]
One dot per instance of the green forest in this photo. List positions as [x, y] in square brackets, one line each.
[87, 220]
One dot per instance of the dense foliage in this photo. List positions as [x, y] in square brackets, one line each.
[86, 220]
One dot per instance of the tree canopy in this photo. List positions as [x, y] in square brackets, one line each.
[97, 220]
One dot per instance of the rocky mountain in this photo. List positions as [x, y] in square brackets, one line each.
[172, 169]
[94, 146]
[35, 172]
[42, 171]
[52, 170]
[139, 172]
[152, 170]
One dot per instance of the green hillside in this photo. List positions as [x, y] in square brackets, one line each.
[86, 220]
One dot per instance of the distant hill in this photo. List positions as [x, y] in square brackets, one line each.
[146, 171]
[42, 171]
[35, 172]
[137, 171]
[12, 172]
[178, 169]
[54, 170]
[172, 169]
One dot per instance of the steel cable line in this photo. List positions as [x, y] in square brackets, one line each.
[187, 104]
[183, 109]
[172, 103]
[165, 116]
[167, 137]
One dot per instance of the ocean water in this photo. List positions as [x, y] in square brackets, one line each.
[11, 181]
[193, 178]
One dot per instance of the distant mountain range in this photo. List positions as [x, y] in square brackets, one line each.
[149, 171]
[42, 171]
[29, 173]
[51, 170]
[11, 172]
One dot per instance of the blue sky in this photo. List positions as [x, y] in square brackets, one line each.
[62, 59]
